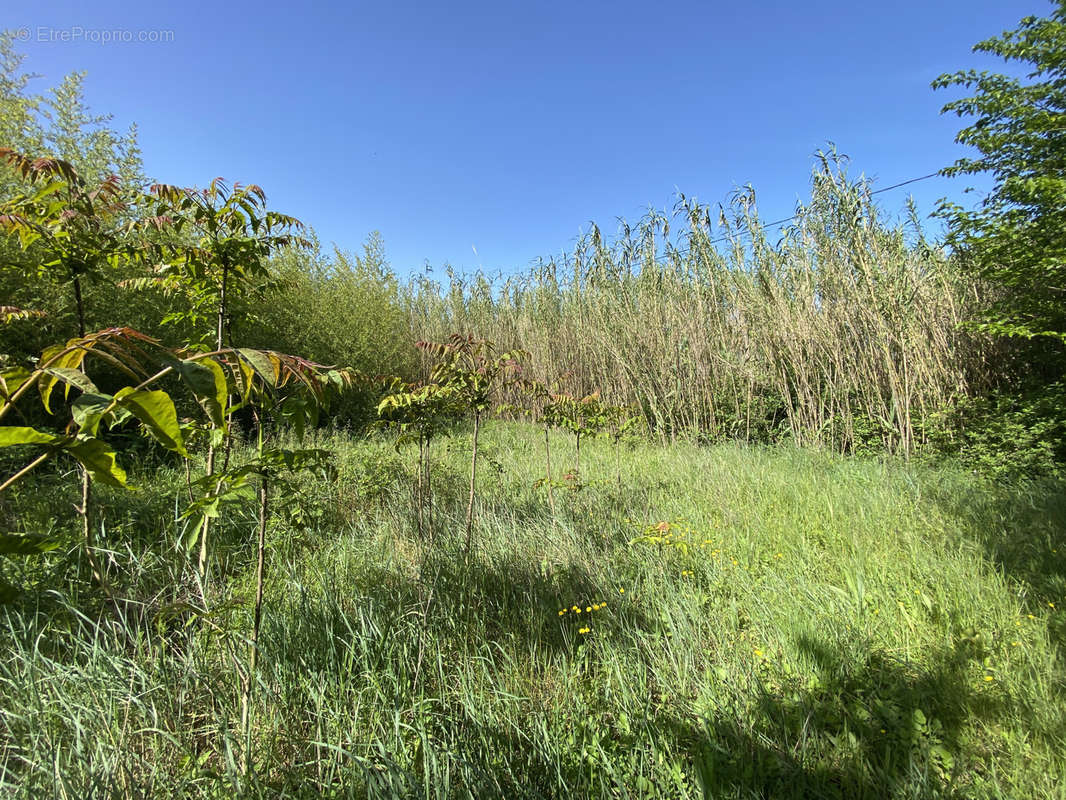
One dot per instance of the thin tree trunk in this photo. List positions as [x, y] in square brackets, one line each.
[427, 465]
[221, 323]
[201, 565]
[473, 479]
[420, 476]
[79, 306]
[85, 510]
[548, 463]
[219, 332]
[257, 619]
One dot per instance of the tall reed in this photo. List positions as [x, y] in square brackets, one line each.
[843, 332]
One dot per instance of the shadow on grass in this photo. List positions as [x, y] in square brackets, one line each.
[882, 728]
[500, 603]
[1022, 529]
[870, 729]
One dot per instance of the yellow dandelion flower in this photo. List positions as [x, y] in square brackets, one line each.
[1051, 605]
[758, 653]
[562, 612]
[588, 608]
[621, 591]
[989, 678]
[583, 630]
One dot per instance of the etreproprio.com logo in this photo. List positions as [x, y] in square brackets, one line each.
[78, 33]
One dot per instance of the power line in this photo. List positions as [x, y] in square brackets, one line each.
[904, 183]
[778, 222]
[878, 191]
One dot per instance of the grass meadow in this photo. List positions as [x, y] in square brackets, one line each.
[723, 621]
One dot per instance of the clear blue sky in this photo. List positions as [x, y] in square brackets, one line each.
[506, 126]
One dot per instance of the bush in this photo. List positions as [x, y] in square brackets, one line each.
[1003, 435]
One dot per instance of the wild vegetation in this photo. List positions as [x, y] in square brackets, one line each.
[842, 333]
[706, 508]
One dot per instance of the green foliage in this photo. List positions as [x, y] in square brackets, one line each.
[814, 626]
[1016, 238]
[1006, 435]
[377, 474]
[215, 252]
[63, 224]
[13, 544]
[60, 124]
[56, 126]
[471, 369]
[94, 455]
[797, 335]
[338, 309]
[419, 411]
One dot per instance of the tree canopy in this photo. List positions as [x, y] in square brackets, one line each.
[1015, 239]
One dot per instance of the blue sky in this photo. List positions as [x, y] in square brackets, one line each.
[507, 126]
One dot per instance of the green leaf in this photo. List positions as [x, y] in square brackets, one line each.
[71, 377]
[14, 434]
[11, 380]
[156, 412]
[17, 544]
[99, 459]
[62, 365]
[207, 381]
[261, 363]
[88, 411]
[93, 454]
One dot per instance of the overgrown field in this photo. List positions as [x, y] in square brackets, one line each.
[722, 621]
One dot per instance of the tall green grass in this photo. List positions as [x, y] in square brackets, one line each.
[814, 626]
[841, 329]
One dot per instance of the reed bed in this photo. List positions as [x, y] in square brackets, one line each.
[841, 330]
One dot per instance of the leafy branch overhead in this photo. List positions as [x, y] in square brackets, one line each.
[222, 382]
[1016, 238]
[71, 228]
[212, 246]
